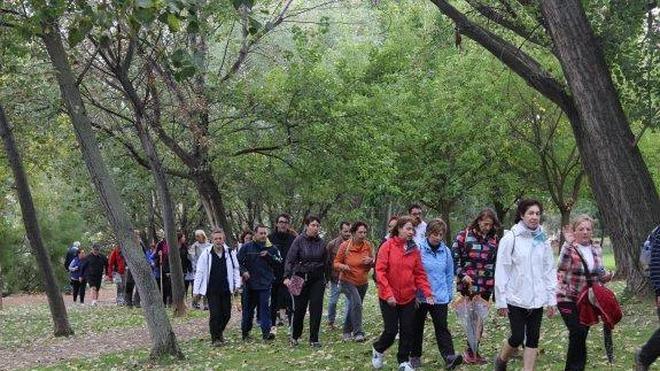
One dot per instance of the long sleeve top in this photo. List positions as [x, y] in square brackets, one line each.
[307, 256]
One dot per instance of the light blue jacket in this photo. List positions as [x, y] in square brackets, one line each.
[439, 267]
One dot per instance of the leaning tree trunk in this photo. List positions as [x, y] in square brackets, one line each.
[162, 337]
[213, 202]
[1, 287]
[619, 178]
[55, 301]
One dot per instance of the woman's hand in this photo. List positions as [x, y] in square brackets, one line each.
[367, 260]
[286, 282]
[344, 267]
[503, 312]
[569, 235]
[430, 300]
[391, 301]
[552, 311]
[607, 277]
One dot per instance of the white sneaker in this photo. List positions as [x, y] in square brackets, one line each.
[376, 359]
[406, 366]
[93, 303]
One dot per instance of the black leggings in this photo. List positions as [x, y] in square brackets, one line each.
[525, 326]
[78, 290]
[312, 296]
[576, 356]
[401, 319]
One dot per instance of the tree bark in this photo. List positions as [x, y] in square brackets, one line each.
[621, 182]
[213, 203]
[55, 301]
[162, 337]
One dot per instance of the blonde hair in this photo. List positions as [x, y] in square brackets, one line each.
[200, 232]
[581, 219]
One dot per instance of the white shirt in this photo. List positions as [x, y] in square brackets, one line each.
[420, 233]
[588, 256]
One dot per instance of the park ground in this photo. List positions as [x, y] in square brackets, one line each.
[110, 337]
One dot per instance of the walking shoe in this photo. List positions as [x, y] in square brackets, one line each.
[293, 342]
[246, 337]
[331, 325]
[499, 364]
[93, 303]
[415, 362]
[315, 344]
[206, 307]
[405, 366]
[196, 306]
[469, 358]
[359, 338]
[480, 360]
[376, 359]
[639, 366]
[280, 322]
[218, 343]
[269, 336]
[453, 361]
[347, 337]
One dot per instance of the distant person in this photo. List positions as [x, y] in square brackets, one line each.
[194, 252]
[280, 299]
[186, 263]
[217, 277]
[333, 247]
[77, 275]
[415, 212]
[245, 238]
[96, 264]
[71, 253]
[163, 250]
[117, 272]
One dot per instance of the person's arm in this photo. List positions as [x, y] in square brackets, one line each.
[421, 279]
[550, 275]
[339, 263]
[503, 270]
[242, 258]
[200, 273]
[74, 266]
[292, 258]
[457, 255]
[382, 267]
[237, 273]
[449, 274]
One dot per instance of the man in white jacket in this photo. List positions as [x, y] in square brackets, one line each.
[525, 283]
[217, 277]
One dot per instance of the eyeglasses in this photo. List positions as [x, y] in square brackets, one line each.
[282, 222]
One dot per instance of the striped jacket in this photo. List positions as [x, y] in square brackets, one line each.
[571, 276]
[654, 266]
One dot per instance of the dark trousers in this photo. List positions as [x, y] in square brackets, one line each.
[651, 350]
[78, 290]
[279, 299]
[312, 295]
[251, 300]
[397, 319]
[442, 335]
[525, 326]
[576, 356]
[220, 313]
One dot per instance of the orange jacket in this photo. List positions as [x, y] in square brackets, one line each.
[400, 273]
[352, 254]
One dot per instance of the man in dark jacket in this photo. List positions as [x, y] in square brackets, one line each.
[645, 356]
[280, 300]
[256, 261]
[96, 264]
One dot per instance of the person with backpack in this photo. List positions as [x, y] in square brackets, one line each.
[256, 260]
[580, 261]
[649, 352]
[217, 278]
[77, 275]
[333, 247]
[438, 264]
[95, 265]
[304, 272]
[400, 274]
[353, 261]
[474, 252]
[117, 272]
[525, 283]
[71, 253]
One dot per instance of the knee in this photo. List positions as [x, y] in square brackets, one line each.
[515, 340]
[532, 343]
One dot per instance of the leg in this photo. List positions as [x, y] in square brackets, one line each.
[81, 292]
[299, 310]
[332, 302]
[264, 309]
[248, 303]
[350, 292]
[442, 334]
[390, 327]
[418, 330]
[576, 357]
[75, 286]
[357, 314]
[347, 312]
[532, 334]
[274, 294]
[406, 320]
[650, 351]
[215, 316]
[225, 313]
[130, 286]
[317, 291]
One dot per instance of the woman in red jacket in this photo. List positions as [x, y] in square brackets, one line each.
[399, 275]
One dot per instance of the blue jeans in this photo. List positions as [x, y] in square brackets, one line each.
[355, 296]
[251, 300]
[332, 303]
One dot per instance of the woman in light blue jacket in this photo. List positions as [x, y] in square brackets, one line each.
[439, 266]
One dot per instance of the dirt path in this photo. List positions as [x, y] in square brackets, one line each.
[48, 351]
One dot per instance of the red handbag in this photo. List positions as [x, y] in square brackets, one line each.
[295, 285]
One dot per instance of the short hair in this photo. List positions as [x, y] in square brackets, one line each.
[400, 222]
[524, 205]
[96, 246]
[201, 232]
[80, 251]
[256, 227]
[343, 223]
[413, 206]
[285, 216]
[312, 218]
[357, 225]
[436, 226]
[581, 219]
[179, 235]
[486, 213]
[217, 230]
[241, 239]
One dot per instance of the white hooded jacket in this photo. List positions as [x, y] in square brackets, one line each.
[525, 270]
[203, 271]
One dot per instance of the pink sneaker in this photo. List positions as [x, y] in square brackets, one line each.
[469, 358]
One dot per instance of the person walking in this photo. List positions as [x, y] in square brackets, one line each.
[77, 275]
[438, 264]
[186, 263]
[415, 212]
[280, 299]
[333, 247]
[95, 265]
[117, 273]
[217, 278]
[163, 250]
[525, 283]
[256, 259]
[354, 261]
[475, 252]
[307, 260]
[399, 275]
[580, 261]
[649, 352]
[194, 252]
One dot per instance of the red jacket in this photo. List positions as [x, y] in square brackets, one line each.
[400, 273]
[116, 262]
[598, 301]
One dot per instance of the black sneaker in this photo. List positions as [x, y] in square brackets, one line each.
[269, 336]
[293, 342]
[453, 361]
[246, 337]
[315, 344]
[499, 364]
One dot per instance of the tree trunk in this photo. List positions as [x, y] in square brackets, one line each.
[162, 337]
[620, 180]
[1, 287]
[55, 301]
[213, 203]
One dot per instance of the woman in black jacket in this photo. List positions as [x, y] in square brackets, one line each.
[307, 258]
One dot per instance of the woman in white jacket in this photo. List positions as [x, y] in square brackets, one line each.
[525, 282]
[217, 277]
